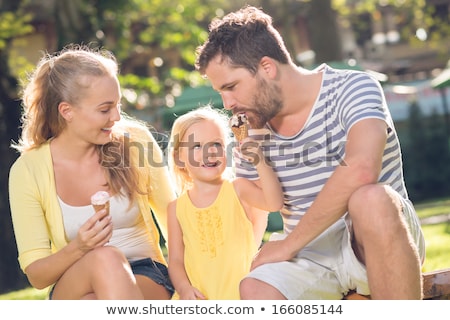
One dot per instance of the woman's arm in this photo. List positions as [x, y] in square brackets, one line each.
[94, 233]
[33, 223]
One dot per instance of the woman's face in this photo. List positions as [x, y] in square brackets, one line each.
[93, 117]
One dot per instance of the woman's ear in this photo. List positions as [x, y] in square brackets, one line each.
[268, 67]
[65, 110]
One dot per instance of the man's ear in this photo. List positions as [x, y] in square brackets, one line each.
[268, 67]
[65, 110]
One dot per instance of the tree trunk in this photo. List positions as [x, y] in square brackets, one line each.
[324, 32]
[11, 277]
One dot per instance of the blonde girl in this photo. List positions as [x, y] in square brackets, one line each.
[212, 236]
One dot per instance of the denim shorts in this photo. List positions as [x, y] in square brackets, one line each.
[147, 267]
[154, 270]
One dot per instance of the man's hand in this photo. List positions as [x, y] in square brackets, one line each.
[272, 251]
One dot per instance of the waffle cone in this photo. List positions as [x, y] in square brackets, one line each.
[98, 207]
[240, 132]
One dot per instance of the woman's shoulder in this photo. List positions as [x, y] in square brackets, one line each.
[33, 160]
[39, 154]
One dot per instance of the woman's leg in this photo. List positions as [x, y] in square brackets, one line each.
[150, 289]
[103, 273]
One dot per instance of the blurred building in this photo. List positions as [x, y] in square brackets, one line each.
[389, 40]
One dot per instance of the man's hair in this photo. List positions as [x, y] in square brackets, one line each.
[242, 38]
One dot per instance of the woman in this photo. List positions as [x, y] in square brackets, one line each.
[75, 142]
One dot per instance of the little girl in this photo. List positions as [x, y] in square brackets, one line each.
[212, 236]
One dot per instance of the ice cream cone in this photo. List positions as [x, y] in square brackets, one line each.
[100, 200]
[240, 132]
[239, 126]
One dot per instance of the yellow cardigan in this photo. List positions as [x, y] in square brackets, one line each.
[36, 214]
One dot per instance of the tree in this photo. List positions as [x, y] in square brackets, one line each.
[426, 156]
[12, 25]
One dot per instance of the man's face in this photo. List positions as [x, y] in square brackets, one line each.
[243, 92]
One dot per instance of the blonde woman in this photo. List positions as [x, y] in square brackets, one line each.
[75, 142]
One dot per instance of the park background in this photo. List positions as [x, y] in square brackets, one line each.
[404, 43]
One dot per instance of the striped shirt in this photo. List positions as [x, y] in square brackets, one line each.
[306, 160]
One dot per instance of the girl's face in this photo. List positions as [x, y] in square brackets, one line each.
[93, 117]
[203, 152]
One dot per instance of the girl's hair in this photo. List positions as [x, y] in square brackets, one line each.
[64, 76]
[179, 128]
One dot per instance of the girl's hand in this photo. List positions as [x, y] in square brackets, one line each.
[191, 293]
[251, 151]
[95, 232]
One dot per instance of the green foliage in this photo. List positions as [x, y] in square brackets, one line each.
[141, 83]
[410, 15]
[426, 156]
[13, 25]
[162, 35]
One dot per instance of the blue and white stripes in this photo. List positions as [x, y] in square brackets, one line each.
[306, 160]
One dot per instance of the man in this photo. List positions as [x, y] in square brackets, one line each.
[348, 222]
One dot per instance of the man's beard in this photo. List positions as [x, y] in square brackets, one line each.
[267, 102]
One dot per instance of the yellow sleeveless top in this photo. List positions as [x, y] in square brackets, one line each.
[219, 244]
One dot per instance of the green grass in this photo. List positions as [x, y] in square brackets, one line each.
[437, 239]
[433, 208]
[25, 294]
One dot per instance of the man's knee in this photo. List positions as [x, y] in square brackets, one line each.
[246, 288]
[373, 195]
[375, 208]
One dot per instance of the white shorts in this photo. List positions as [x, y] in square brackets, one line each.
[327, 268]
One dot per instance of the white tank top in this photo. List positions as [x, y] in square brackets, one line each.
[130, 234]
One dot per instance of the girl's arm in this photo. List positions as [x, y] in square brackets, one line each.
[177, 272]
[265, 193]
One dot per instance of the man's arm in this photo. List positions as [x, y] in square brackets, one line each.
[362, 165]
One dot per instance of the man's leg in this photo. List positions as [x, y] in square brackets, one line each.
[384, 245]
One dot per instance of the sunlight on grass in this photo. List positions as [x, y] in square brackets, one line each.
[437, 239]
[25, 294]
[429, 209]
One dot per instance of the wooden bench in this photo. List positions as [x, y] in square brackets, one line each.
[436, 286]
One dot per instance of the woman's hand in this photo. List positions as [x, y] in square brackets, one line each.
[95, 232]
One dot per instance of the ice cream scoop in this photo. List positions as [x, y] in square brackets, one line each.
[239, 126]
[100, 200]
